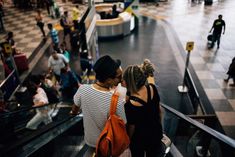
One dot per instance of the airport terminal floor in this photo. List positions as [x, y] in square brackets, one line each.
[161, 37]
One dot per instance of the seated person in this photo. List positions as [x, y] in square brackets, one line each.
[115, 13]
[110, 14]
[103, 15]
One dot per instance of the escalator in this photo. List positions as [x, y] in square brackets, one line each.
[192, 134]
[64, 137]
[18, 141]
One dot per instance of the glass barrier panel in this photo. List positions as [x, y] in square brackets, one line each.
[191, 140]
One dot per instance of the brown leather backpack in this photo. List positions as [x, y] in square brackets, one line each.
[113, 140]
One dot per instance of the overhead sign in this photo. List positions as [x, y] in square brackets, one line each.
[189, 46]
[7, 48]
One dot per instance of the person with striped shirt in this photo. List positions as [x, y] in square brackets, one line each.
[94, 99]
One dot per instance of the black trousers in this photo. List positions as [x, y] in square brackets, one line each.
[41, 26]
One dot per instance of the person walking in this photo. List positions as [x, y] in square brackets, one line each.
[56, 62]
[75, 13]
[143, 114]
[2, 29]
[94, 99]
[156, 3]
[69, 83]
[40, 22]
[231, 72]
[217, 27]
[66, 24]
[54, 36]
[50, 4]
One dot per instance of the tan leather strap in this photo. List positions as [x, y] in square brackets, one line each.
[113, 105]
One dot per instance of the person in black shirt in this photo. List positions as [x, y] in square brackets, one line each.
[2, 29]
[217, 30]
[231, 72]
[143, 114]
[115, 13]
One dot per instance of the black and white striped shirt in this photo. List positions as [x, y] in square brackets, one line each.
[95, 108]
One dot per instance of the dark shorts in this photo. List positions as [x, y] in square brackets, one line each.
[67, 31]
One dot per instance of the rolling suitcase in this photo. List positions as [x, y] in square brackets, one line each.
[21, 62]
[209, 41]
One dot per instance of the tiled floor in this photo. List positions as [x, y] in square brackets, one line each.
[26, 33]
[191, 21]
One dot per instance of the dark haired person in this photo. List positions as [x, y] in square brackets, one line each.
[143, 114]
[54, 36]
[94, 99]
[75, 13]
[217, 27]
[42, 114]
[5, 55]
[11, 41]
[66, 24]
[40, 22]
[231, 72]
[115, 13]
[2, 29]
[56, 62]
[69, 83]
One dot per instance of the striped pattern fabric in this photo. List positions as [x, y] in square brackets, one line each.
[54, 36]
[95, 108]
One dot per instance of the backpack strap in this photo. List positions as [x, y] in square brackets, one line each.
[113, 104]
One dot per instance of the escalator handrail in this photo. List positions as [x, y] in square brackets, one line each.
[188, 74]
[36, 134]
[7, 114]
[215, 134]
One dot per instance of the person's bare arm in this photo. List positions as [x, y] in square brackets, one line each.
[75, 110]
[212, 26]
[224, 28]
[38, 103]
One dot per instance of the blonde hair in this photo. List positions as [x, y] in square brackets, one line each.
[134, 77]
[148, 68]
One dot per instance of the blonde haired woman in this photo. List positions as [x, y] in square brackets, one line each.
[143, 114]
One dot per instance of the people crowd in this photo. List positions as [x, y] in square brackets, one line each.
[110, 14]
[140, 108]
[60, 82]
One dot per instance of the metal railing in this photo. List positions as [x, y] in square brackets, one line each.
[34, 140]
[227, 144]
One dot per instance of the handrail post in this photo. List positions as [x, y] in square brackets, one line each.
[183, 88]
